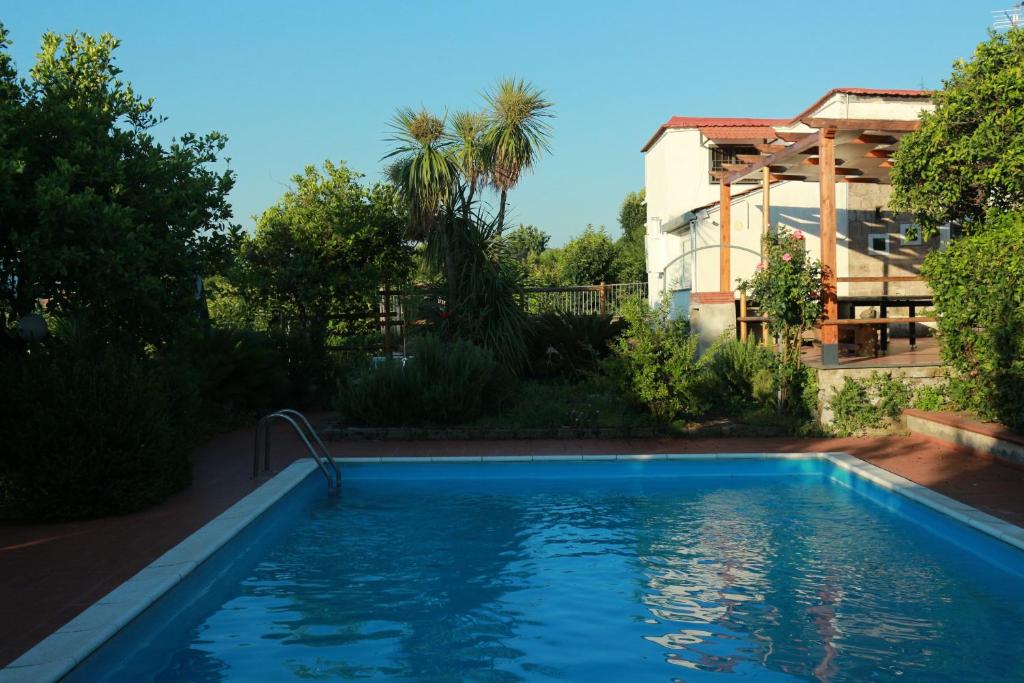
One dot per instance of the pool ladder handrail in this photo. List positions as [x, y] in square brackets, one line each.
[322, 458]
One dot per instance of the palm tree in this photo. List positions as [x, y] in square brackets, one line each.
[423, 170]
[468, 129]
[427, 177]
[516, 135]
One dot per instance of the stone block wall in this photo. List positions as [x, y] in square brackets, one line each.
[830, 380]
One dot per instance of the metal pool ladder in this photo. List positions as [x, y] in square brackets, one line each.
[302, 427]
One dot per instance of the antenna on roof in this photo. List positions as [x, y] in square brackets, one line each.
[1008, 18]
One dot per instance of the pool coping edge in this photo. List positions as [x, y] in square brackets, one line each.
[56, 655]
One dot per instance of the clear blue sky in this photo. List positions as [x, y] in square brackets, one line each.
[299, 82]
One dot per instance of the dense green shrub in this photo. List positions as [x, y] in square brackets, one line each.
[932, 398]
[568, 345]
[657, 363]
[442, 383]
[740, 373]
[91, 433]
[980, 302]
[236, 372]
[862, 406]
[595, 402]
[742, 381]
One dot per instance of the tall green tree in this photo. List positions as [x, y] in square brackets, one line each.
[325, 247]
[967, 159]
[631, 260]
[99, 218]
[526, 243]
[517, 135]
[318, 254]
[589, 259]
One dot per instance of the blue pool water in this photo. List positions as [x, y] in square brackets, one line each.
[665, 571]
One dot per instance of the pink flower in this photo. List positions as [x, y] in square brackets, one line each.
[798, 235]
[787, 257]
[760, 266]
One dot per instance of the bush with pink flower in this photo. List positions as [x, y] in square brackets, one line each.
[787, 287]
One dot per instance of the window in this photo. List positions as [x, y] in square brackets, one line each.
[728, 154]
[910, 234]
[878, 243]
[945, 235]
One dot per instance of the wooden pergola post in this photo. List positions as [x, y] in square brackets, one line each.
[766, 184]
[725, 250]
[827, 213]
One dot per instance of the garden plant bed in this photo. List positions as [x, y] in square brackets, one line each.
[332, 431]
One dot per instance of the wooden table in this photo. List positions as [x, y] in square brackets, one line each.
[884, 302]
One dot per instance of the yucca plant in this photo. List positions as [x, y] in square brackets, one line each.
[516, 136]
[467, 138]
[427, 177]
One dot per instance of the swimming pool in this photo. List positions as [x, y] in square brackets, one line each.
[677, 570]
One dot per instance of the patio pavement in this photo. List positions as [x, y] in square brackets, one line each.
[51, 572]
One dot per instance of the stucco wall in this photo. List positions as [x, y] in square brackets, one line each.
[676, 181]
[794, 205]
[845, 106]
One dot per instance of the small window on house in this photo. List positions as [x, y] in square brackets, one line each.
[878, 243]
[728, 154]
[945, 235]
[910, 234]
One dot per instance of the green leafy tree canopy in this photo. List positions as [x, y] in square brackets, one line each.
[98, 218]
[631, 261]
[326, 246]
[590, 258]
[967, 158]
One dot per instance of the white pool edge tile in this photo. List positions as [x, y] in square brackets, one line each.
[56, 655]
[1002, 530]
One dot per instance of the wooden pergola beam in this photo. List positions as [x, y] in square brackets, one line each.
[870, 139]
[793, 137]
[893, 125]
[750, 158]
[859, 180]
[776, 177]
[880, 153]
[773, 159]
[733, 167]
[765, 148]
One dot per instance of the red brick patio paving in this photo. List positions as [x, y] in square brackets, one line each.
[51, 572]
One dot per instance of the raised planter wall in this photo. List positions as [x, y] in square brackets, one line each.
[983, 437]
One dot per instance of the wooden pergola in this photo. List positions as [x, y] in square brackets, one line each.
[839, 150]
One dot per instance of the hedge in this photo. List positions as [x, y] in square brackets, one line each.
[978, 283]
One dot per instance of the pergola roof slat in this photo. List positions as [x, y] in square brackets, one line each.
[863, 147]
[773, 160]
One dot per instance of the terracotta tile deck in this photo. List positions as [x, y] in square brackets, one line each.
[49, 573]
[898, 355]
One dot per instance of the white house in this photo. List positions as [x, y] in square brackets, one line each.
[687, 158]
